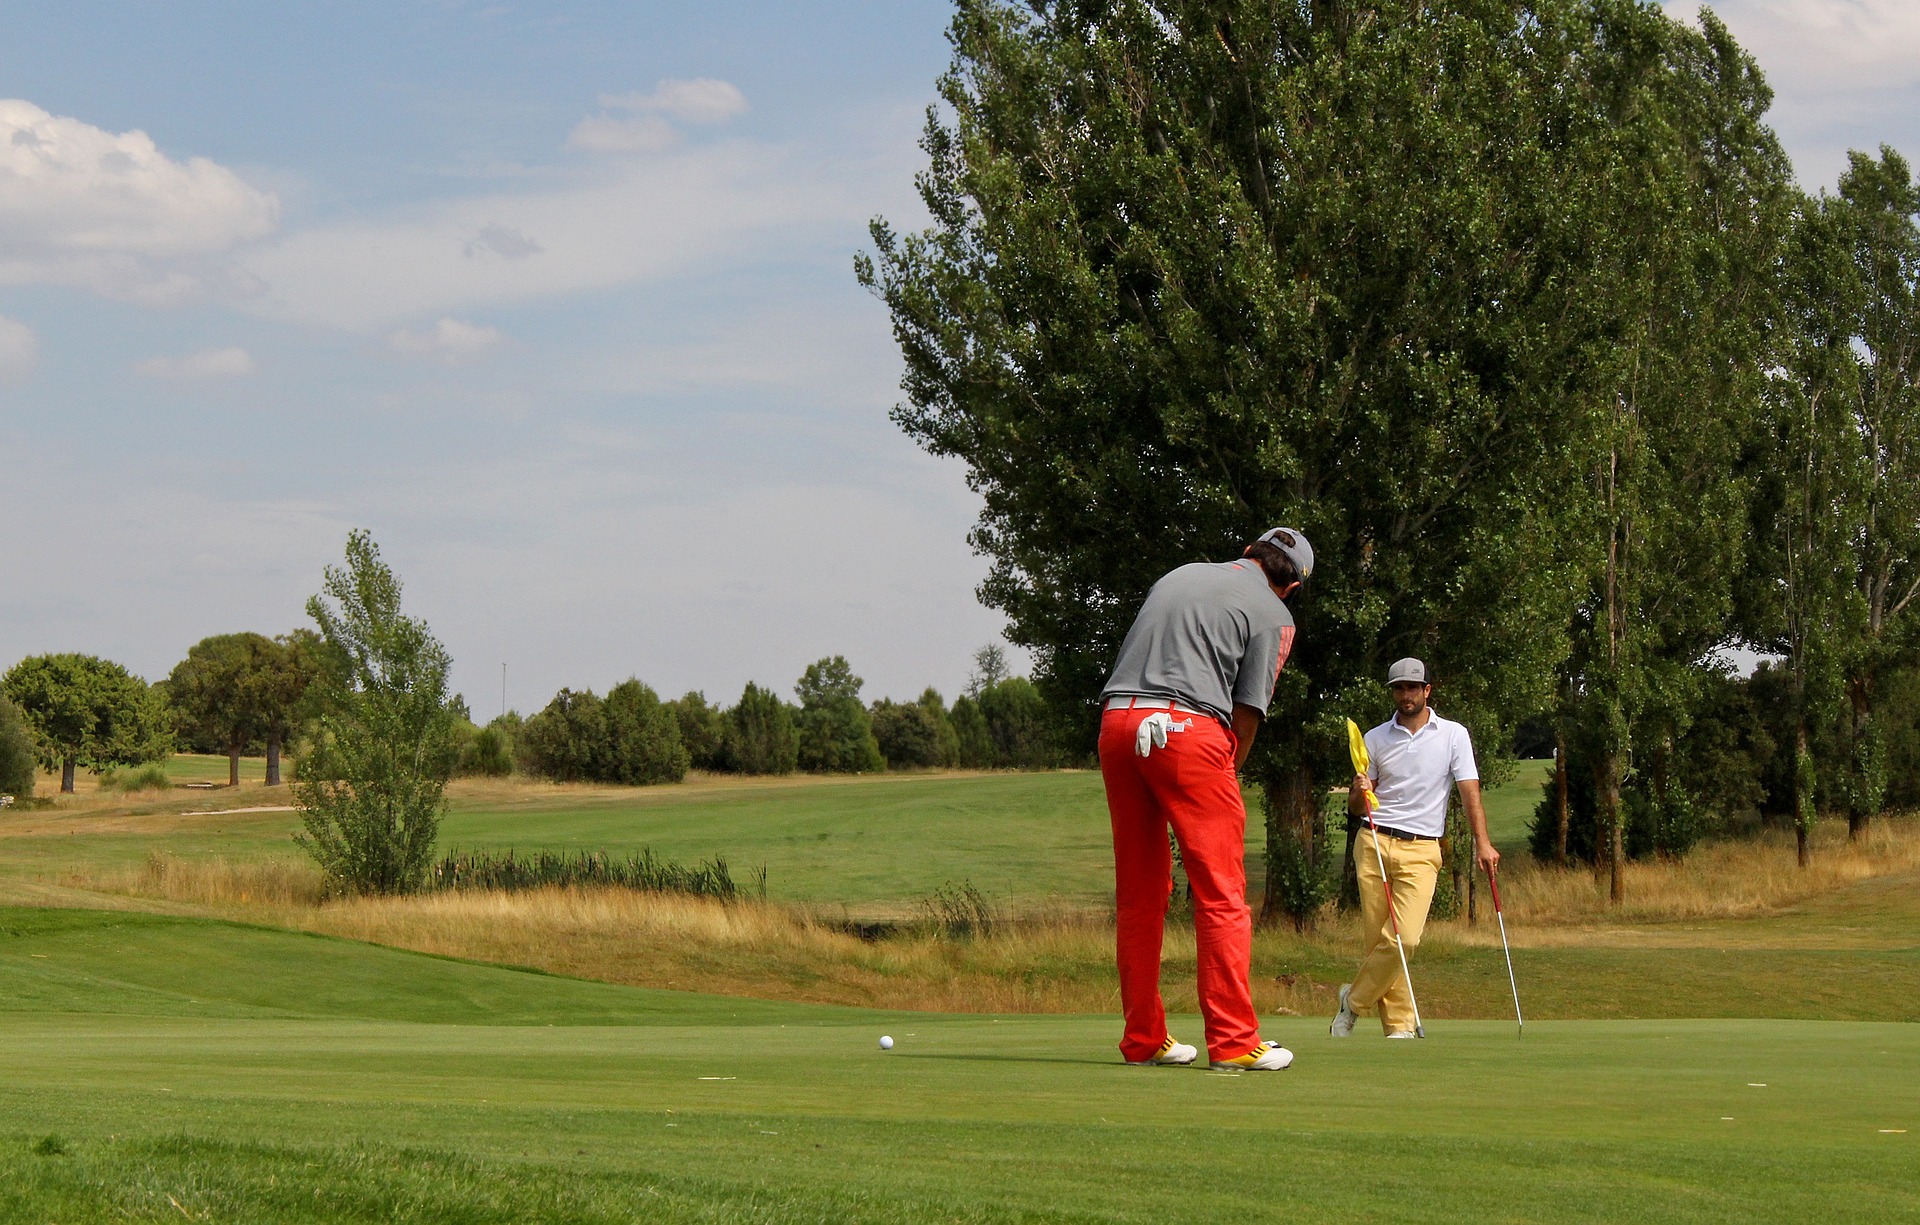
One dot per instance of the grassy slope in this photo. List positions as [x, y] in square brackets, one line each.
[873, 843]
[194, 1067]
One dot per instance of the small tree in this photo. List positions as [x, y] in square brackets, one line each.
[568, 741]
[906, 734]
[972, 738]
[372, 788]
[18, 766]
[212, 693]
[835, 734]
[643, 737]
[87, 711]
[703, 730]
[760, 734]
[1016, 718]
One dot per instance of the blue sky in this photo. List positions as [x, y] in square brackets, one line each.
[555, 298]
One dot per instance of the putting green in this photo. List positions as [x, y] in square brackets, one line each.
[168, 1066]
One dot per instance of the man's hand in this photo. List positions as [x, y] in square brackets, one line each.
[1357, 792]
[1486, 856]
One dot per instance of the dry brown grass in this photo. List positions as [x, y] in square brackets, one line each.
[1719, 880]
[1052, 962]
[219, 882]
[1043, 962]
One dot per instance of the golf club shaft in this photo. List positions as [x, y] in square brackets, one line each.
[1493, 882]
[1393, 916]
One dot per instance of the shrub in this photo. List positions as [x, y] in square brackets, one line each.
[150, 777]
[760, 734]
[643, 737]
[488, 751]
[568, 740]
[917, 733]
[703, 730]
[906, 734]
[834, 732]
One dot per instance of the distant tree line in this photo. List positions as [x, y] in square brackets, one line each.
[631, 736]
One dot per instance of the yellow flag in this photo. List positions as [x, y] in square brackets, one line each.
[1357, 747]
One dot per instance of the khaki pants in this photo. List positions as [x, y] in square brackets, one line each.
[1414, 869]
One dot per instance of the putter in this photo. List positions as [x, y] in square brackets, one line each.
[1357, 749]
[1493, 880]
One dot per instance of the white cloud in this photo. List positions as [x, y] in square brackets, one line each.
[212, 364]
[84, 207]
[1846, 73]
[702, 100]
[450, 341]
[1846, 44]
[605, 134]
[19, 350]
[616, 225]
[503, 241]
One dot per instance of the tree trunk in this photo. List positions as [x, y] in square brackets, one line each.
[1291, 805]
[1350, 871]
[1613, 840]
[66, 776]
[1803, 803]
[233, 765]
[1560, 801]
[273, 759]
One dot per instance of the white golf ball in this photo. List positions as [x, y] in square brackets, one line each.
[886, 1043]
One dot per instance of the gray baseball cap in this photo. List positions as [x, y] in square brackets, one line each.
[1299, 550]
[1408, 669]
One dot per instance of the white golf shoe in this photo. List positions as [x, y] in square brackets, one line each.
[1171, 1054]
[1343, 1020]
[1403, 1033]
[1267, 1057]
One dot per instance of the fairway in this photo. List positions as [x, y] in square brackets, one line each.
[207, 1068]
[877, 844]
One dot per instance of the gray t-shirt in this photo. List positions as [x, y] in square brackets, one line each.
[1211, 635]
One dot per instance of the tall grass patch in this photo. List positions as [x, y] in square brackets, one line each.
[511, 872]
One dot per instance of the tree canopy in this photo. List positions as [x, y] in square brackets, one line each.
[87, 711]
[1396, 276]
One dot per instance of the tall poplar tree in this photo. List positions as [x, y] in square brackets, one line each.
[1837, 522]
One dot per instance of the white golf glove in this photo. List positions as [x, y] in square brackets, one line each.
[1153, 732]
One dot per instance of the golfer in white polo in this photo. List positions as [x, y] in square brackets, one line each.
[1415, 758]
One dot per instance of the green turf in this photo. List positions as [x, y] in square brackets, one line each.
[170, 1066]
[882, 842]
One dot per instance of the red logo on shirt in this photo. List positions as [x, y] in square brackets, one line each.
[1286, 646]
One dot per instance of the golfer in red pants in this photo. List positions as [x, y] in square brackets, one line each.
[1194, 679]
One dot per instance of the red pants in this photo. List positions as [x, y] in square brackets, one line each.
[1191, 786]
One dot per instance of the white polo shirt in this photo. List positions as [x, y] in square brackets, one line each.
[1413, 772]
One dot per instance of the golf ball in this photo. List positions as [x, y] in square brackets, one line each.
[886, 1043]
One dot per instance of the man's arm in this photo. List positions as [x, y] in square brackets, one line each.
[1483, 852]
[1246, 723]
